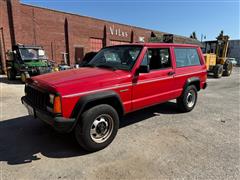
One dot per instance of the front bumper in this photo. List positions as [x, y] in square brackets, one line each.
[59, 123]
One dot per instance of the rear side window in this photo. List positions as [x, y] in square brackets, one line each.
[186, 57]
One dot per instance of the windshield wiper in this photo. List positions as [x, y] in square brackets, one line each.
[106, 66]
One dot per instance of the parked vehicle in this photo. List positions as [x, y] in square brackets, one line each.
[233, 61]
[27, 61]
[63, 67]
[216, 58]
[89, 101]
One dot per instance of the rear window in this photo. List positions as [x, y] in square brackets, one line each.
[186, 57]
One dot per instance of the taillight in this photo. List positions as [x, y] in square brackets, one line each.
[57, 105]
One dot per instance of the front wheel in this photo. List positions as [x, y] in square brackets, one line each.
[97, 127]
[218, 71]
[24, 76]
[188, 99]
[11, 74]
[228, 66]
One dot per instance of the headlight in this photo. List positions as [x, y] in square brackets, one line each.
[51, 98]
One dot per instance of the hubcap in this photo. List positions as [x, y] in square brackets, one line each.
[101, 128]
[191, 97]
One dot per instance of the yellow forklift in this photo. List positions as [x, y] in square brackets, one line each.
[216, 56]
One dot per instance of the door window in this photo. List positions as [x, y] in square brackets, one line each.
[157, 58]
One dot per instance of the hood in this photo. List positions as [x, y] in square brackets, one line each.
[78, 80]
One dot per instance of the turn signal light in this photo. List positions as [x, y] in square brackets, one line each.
[57, 106]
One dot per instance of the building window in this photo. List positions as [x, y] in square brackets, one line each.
[96, 44]
[112, 43]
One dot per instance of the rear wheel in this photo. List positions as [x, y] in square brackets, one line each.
[11, 74]
[227, 68]
[24, 76]
[97, 127]
[188, 99]
[218, 71]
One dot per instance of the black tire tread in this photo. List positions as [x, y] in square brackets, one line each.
[227, 68]
[26, 74]
[81, 134]
[181, 103]
[217, 69]
[11, 74]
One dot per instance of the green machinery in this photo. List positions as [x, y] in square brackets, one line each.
[27, 61]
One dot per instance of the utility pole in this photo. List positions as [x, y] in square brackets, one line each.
[203, 37]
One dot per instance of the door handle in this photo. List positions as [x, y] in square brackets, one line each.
[171, 73]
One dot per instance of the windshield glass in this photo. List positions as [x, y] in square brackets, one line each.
[116, 57]
[32, 54]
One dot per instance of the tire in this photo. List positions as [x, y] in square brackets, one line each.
[24, 76]
[228, 66]
[92, 133]
[187, 101]
[218, 71]
[11, 74]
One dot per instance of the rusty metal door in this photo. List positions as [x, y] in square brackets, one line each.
[79, 54]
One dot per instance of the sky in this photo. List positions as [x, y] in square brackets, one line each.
[182, 17]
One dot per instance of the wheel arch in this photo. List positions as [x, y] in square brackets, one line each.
[193, 81]
[107, 97]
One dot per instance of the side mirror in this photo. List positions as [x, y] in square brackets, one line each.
[144, 69]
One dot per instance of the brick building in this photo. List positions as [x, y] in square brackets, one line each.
[59, 32]
[234, 50]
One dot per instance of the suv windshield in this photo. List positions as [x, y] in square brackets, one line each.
[32, 54]
[116, 57]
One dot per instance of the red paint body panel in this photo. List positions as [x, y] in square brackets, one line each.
[135, 92]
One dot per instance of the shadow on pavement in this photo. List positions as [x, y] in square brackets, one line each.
[22, 138]
[165, 108]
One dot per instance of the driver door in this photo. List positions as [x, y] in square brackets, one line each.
[158, 85]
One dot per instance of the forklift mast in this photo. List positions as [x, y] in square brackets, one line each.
[222, 47]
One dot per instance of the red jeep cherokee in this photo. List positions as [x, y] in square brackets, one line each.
[120, 79]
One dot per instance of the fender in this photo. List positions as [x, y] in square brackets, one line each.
[192, 80]
[91, 98]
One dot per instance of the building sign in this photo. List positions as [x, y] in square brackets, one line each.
[117, 32]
